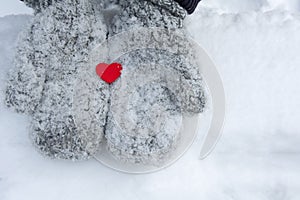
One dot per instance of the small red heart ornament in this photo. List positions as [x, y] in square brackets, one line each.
[109, 72]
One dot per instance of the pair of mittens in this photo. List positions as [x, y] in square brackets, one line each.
[72, 110]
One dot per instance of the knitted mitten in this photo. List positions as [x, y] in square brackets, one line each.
[68, 112]
[146, 108]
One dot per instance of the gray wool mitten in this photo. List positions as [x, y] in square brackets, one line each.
[68, 115]
[147, 106]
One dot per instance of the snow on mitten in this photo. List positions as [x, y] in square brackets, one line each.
[68, 111]
[155, 89]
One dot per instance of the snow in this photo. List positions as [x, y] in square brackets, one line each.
[13, 7]
[255, 45]
[236, 6]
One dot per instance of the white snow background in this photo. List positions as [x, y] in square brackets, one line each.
[13, 7]
[256, 46]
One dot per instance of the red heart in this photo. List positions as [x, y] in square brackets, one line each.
[109, 73]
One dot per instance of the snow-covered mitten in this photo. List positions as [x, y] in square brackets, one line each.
[156, 87]
[68, 113]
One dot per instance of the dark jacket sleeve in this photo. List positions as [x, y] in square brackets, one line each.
[188, 5]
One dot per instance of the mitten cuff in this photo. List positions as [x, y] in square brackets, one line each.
[172, 6]
[38, 5]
